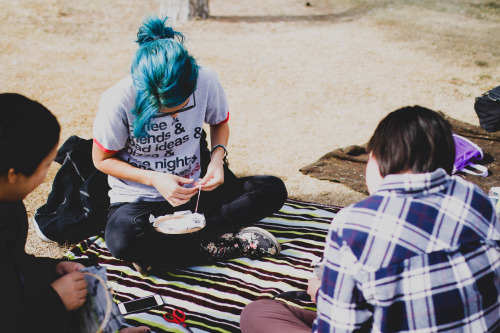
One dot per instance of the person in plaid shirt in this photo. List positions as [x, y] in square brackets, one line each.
[422, 253]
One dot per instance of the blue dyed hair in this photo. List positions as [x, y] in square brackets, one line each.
[163, 71]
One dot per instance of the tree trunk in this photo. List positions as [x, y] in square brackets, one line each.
[198, 9]
[183, 10]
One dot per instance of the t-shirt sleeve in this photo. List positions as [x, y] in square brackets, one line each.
[111, 125]
[217, 106]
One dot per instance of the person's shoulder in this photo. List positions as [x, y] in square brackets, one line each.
[207, 74]
[467, 190]
[356, 219]
[461, 183]
[472, 196]
[369, 205]
[205, 70]
[120, 96]
[12, 205]
[10, 210]
[124, 86]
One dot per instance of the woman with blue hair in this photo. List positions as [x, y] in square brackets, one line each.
[149, 139]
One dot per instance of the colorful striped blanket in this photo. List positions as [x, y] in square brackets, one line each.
[213, 296]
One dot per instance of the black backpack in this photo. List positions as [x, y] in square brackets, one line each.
[487, 108]
[77, 206]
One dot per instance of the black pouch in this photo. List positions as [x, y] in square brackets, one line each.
[487, 108]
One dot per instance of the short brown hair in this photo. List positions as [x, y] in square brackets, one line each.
[413, 139]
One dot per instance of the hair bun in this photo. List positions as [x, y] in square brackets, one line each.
[154, 28]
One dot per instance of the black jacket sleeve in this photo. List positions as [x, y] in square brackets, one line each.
[28, 303]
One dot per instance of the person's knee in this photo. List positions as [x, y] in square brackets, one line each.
[253, 318]
[274, 191]
[271, 316]
[120, 233]
[117, 241]
[117, 246]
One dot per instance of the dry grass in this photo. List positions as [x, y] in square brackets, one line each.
[301, 80]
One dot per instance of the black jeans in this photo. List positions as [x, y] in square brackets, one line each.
[237, 203]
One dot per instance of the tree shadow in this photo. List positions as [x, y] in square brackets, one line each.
[349, 14]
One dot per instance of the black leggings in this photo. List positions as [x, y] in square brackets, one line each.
[237, 203]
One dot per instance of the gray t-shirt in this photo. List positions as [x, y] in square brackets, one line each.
[172, 144]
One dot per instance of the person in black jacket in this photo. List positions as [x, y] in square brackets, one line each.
[37, 294]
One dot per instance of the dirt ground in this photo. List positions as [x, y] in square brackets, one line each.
[302, 78]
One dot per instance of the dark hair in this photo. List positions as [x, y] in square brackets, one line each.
[414, 139]
[28, 132]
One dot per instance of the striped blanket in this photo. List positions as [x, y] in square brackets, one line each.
[213, 296]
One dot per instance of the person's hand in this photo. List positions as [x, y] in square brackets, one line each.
[313, 286]
[65, 267]
[170, 187]
[72, 289]
[214, 176]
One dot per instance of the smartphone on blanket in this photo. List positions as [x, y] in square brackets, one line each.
[141, 304]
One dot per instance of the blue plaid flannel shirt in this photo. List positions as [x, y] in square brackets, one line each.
[422, 254]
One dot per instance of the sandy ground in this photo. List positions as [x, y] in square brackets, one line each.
[301, 80]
